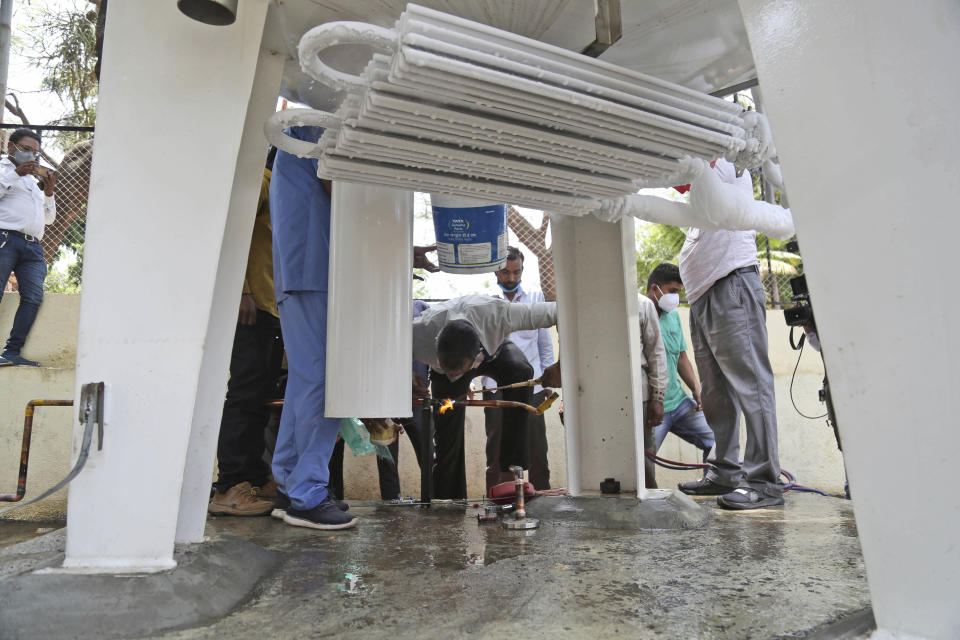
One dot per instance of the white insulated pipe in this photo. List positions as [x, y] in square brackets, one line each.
[714, 205]
[369, 302]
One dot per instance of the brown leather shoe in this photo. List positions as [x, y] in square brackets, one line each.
[268, 490]
[239, 500]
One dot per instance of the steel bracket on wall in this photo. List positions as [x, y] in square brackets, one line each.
[91, 408]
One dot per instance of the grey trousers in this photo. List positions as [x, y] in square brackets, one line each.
[729, 332]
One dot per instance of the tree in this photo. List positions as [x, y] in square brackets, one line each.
[658, 243]
[61, 42]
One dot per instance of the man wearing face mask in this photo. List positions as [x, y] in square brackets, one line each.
[537, 347]
[681, 415]
[26, 207]
[467, 337]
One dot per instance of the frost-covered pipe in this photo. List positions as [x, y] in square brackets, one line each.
[772, 173]
[275, 124]
[713, 205]
[332, 34]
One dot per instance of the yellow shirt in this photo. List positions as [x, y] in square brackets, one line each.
[259, 279]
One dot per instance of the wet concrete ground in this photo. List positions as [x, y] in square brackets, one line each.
[14, 531]
[412, 572]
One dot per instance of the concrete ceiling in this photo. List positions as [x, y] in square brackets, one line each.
[701, 44]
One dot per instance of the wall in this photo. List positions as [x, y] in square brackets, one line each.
[807, 447]
[52, 342]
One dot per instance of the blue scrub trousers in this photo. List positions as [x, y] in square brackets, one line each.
[305, 439]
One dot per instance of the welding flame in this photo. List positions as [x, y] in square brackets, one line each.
[446, 406]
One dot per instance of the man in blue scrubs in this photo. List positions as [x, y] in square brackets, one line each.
[300, 212]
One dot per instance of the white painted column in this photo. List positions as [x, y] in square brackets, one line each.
[600, 347]
[862, 98]
[171, 116]
[218, 348]
[369, 304]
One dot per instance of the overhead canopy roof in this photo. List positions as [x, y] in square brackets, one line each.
[700, 44]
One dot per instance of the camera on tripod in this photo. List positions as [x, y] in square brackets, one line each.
[801, 313]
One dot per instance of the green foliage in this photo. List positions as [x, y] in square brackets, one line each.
[656, 243]
[64, 273]
[60, 41]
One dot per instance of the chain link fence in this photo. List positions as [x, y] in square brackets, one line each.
[63, 239]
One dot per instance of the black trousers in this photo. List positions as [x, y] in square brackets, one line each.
[507, 366]
[254, 370]
[388, 473]
[539, 471]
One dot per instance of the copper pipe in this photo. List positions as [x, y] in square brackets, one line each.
[25, 447]
[521, 511]
[498, 404]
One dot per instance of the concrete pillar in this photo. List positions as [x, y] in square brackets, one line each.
[862, 101]
[172, 114]
[599, 330]
[369, 339]
[214, 368]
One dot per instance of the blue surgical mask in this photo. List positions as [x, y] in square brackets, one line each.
[505, 290]
[20, 155]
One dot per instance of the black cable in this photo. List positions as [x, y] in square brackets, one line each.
[794, 376]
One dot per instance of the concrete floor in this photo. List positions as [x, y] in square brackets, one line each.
[410, 572]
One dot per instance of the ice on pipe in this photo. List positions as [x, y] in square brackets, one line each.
[713, 205]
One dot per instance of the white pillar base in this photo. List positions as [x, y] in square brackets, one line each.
[599, 330]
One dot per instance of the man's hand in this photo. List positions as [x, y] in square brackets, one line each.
[420, 390]
[374, 423]
[248, 310]
[654, 413]
[551, 377]
[47, 182]
[696, 398]
[26, 168]
[420, 260]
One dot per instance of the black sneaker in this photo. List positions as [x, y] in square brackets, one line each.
[18, 360]
[747, 498]
[703, 487]
[326, 515]
[281, 503]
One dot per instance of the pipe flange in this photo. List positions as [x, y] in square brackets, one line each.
[526, 523]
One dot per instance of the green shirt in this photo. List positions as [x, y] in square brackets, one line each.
[674, 344]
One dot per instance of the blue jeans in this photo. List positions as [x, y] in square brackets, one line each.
[25, 259]
[687, 423]
[305, 438]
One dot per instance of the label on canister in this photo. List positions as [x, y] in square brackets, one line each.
[471, 235]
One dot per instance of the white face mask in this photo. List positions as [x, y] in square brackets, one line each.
[668, 301]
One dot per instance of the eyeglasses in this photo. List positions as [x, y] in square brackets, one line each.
[35, 152]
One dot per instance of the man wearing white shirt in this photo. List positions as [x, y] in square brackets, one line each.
[729, 332]
[537, 346]
[467, 337]
[26, 207]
